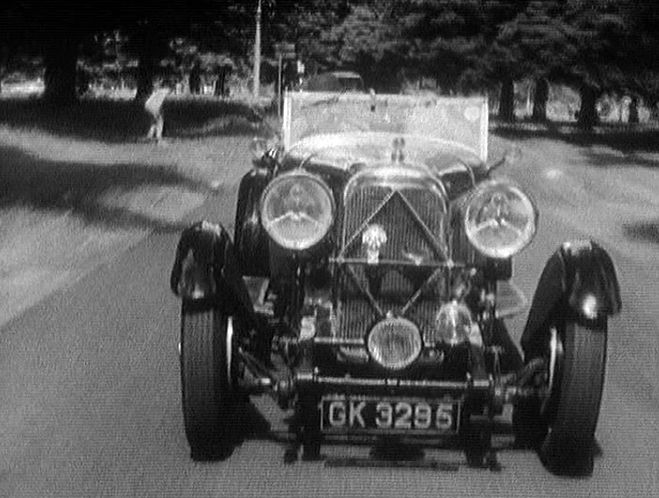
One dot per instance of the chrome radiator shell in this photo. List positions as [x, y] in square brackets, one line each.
[411, 275]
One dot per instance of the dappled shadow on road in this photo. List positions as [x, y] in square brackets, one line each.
[605, 146]
[202, 118]
[626, 139]
[120, 121]
[607, 158]
[645, 231]
[249, 425]
[27, 181]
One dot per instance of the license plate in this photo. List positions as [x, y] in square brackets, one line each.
[367, 414]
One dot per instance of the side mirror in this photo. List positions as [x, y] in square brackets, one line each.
[265, 152]
[259, 147]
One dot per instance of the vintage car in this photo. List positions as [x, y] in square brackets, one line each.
[367, 285]
[334, 81]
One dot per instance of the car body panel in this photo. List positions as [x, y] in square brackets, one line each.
[251, 240]
[206, 271]
[334, 81]
[579, 278]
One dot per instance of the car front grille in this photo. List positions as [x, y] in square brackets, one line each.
[408, 278]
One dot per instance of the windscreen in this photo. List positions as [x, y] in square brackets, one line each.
[461, 120]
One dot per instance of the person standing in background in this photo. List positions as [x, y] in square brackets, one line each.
[153, 107]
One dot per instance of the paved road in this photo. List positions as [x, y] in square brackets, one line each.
[89, 397]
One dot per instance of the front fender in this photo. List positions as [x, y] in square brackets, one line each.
[578, 278]
[250, 238]
[206, 269]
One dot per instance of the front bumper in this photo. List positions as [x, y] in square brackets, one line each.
[491, 392]
[319, 385]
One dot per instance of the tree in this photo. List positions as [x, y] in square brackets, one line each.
[463, 45]
[443, 40]
[642, 55]
[34, 27]
[55, 29]
[597, 35]
[497, 64]
[540, 98]
[582, 43]
[458, 44]
[531, 45]
[312, 25]
[371, 44]
[149, 45]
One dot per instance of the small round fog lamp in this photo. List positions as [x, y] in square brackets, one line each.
[394, 343]
[453, 323]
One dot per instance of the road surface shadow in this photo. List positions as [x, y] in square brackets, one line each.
[251, 425]
[646, 231]
[606, 159]
[625, 139]
[120, 121]
[78, 188]
[207, 118]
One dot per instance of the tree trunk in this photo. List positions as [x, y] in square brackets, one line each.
[61, 58]
[145, 73]
[146, 42]
[588, 111]
[4, 63]
[633, 111]
[507, 101]
[540, 98]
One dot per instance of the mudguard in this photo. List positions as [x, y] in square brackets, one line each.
[251, 239]
[206, 270]
[579, 277]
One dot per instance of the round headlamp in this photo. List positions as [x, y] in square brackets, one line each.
[297, 210]
[500, 219]
[394, 343]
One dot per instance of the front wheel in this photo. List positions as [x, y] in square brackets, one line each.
[207, 380]
[567, 418]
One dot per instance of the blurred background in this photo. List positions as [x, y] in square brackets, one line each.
[583, 61]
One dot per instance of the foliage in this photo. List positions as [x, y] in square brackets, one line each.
[312, 25]
[56, 29]
[444, 38]
[461, 45]
[371, 45]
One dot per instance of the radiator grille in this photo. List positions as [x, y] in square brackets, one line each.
[413, 220]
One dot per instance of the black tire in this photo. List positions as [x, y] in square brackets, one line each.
[563, 428]
[207, 382]
[573, 413]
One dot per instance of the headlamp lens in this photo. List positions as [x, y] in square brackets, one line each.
[297, 210]
[500, 219]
